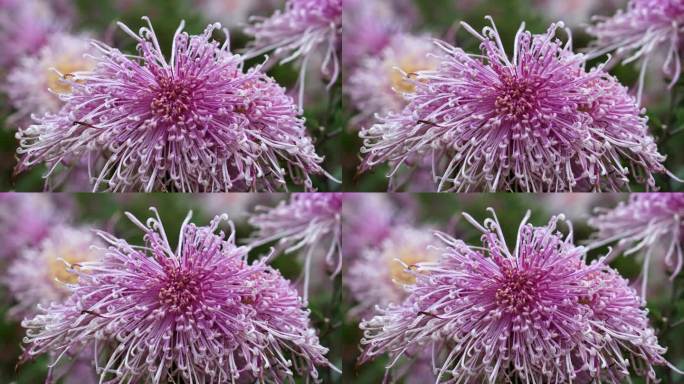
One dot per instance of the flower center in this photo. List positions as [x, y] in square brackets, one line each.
[180, 290]
[517, 290]
[409, 256]
[409, 65]
[516, 97]
[172, 100]
[66, 66]
[57, 268]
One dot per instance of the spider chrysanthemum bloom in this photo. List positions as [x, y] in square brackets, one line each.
[621, 329]
[649, 225]
[646, 28]
[491, 313]
[43, 274]
[308, 223]
[303, 29]
[34, 87]
[197, 122]
[379, 276]
[380, 83]
[536, 121]
[199, 313]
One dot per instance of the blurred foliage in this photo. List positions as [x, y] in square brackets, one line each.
[441, 18]
[322, 113]
[444, 212]
[106, 212]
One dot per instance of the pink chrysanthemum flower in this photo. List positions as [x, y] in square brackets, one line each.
[297, 33]
[309, 223]
[380, 84]
[536, 312]
[621, 327]
[44, 273]
[35, 86]
[25, 220]
[197, 314]
[197, 122]
[25, 26]
[650, 225]
[368, 27]
[538, 121]
[646, 28]
[380, 276]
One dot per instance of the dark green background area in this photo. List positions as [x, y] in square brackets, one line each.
[106, 211]
[441, 17]
[322, 113]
